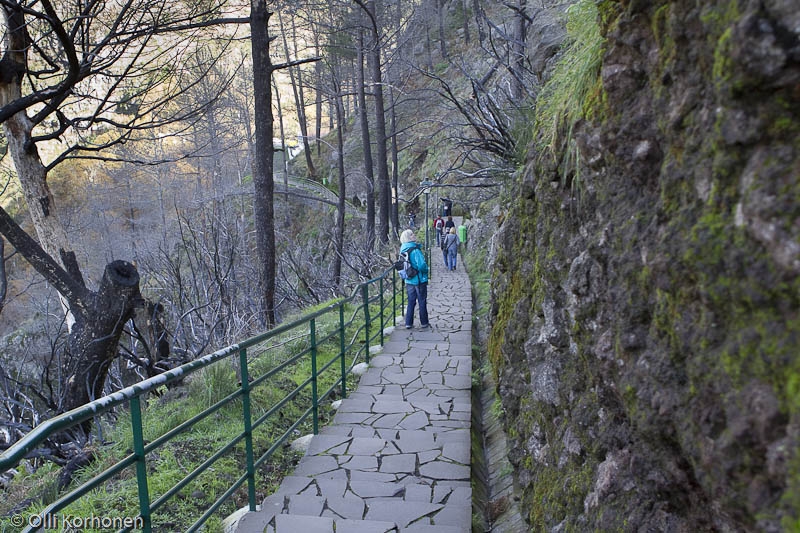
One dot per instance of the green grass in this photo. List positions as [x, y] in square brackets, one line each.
[567, 96]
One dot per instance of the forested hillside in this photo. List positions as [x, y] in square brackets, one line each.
[150, 215]
[151, 168]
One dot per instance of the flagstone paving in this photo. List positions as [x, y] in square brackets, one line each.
[397, 456]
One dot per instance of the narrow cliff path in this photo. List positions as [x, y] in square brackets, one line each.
[313, 190]
[397, 456]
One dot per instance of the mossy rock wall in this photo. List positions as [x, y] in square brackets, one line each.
[646, 317]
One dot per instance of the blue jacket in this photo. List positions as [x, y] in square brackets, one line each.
[417, 259]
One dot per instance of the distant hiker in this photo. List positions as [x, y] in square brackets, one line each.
[447, 208]
[443, 246]
[450, 249]
[417, 286]
[411, 220]
[448, 225]
[438, 225]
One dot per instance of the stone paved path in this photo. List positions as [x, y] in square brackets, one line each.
[397, 456]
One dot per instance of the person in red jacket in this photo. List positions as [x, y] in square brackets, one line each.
[438, 226]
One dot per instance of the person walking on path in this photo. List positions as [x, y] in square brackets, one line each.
[416, 287]
[449, 225]
[450, 249]
[438, 226]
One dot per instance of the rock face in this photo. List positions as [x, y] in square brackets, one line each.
[646, 318]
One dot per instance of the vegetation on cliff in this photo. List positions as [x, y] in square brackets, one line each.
[646, 326]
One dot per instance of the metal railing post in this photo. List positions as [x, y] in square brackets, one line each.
[383, 323]
[248, 431]
[429, 253]
[365, 295]
[314, 398]
[394, 297]
[402, 297]
[341, 350]
[141, 463]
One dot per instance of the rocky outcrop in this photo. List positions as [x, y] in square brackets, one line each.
[646, 313]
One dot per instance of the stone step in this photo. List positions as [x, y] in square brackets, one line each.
[307, 505]
[311, 524]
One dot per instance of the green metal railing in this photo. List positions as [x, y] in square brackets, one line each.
[351, 340]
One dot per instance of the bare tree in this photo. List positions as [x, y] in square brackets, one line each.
[81, 70]
[340, 218]
[298, 92]
[263, 204]
[369, 172]
[506, 42]
[490, 117]
[440, 17]
[371, 10]
[518, 49]
[263, 179]
[395, 215]
[318, 73]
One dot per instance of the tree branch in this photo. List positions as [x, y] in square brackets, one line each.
[295, 62]
[74, 292]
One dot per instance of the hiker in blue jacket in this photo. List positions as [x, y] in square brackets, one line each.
[416, 287]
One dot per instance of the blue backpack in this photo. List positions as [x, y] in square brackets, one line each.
[404, 267]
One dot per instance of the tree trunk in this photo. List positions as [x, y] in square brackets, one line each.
[318, 95]
[380, 127]
[284, 153]
[518, 51]
[440, 16]
[465, 13]
[477, 12]
[93, 342]
[365, 143]
[131, 220]
[299, 99]
[32, 177]
[100, 316]
[213, 131]
[337, 267]
[395, 165]
[428, 44]
[264, 187]
[3, 277]
[395, 75]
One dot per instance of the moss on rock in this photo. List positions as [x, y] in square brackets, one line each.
[646, 340]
